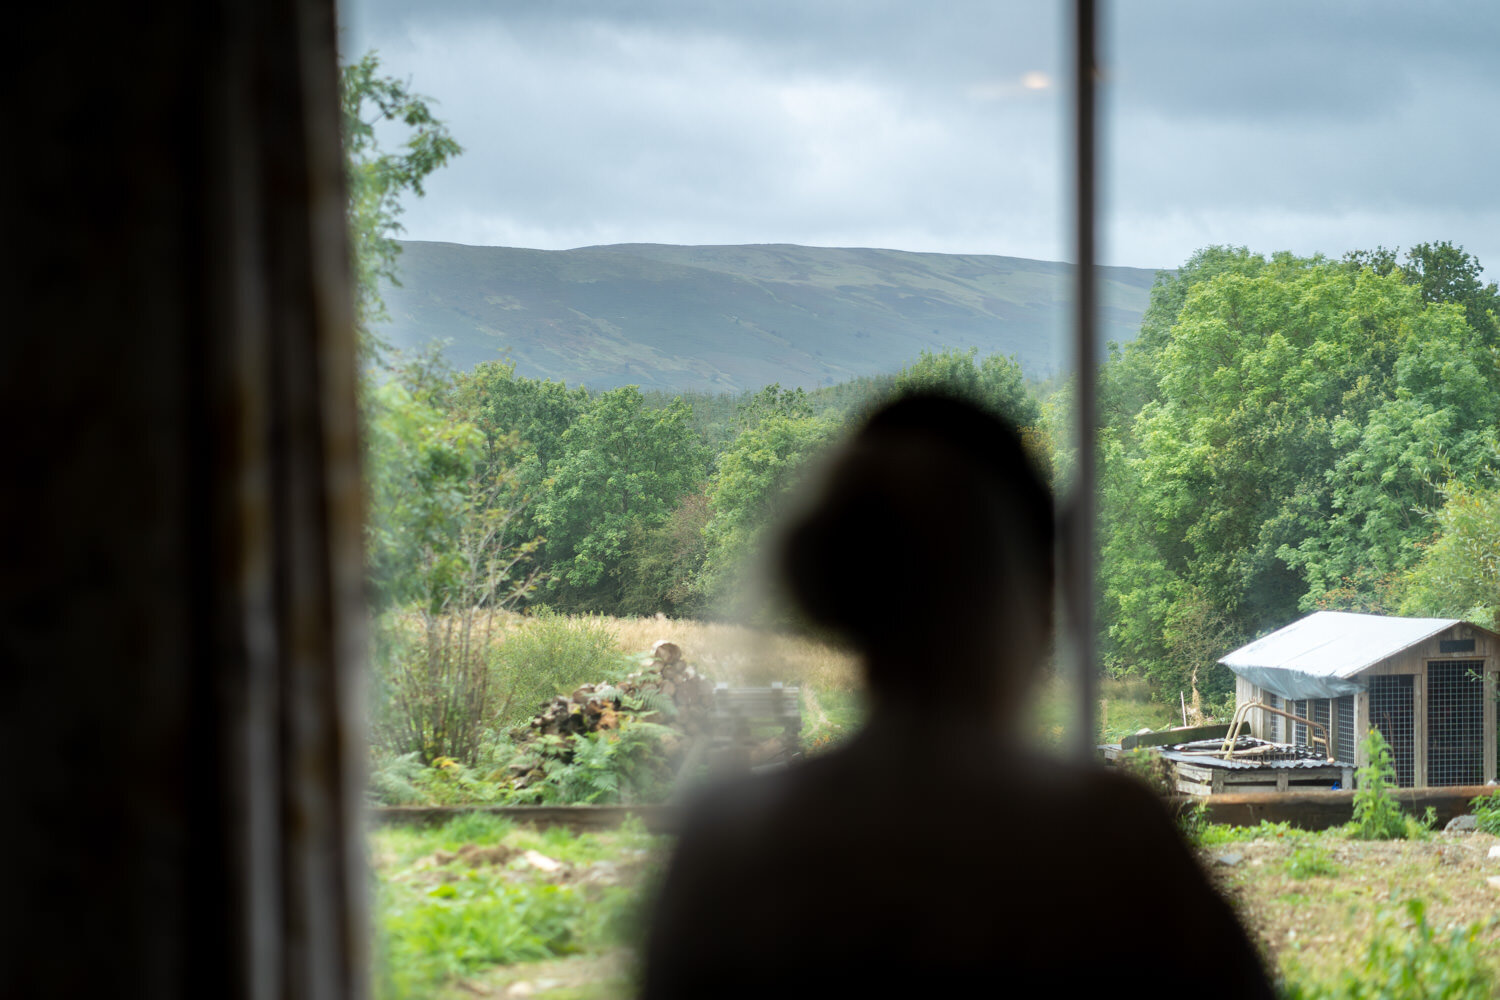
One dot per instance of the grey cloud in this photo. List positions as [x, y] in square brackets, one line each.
[1308, 126]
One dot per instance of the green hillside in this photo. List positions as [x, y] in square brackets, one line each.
[731, 318]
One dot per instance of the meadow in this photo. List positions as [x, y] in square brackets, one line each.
[484, 907]
[464, 910]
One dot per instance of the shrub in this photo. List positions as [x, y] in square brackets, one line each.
[1487, 812]
[433, 688]
[551, 654]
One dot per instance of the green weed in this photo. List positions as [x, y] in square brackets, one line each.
[1487, 812]
[1309, 862]
[1377, 814]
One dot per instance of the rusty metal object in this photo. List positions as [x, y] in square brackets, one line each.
[1241, 715]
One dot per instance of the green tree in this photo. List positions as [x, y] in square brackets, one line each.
[623, 465]
[751, 487]
[1458, 574]
[378, 177]
[1446, 273]
[996, 382]
[523, 421]
[772, 401]
[1437, 422]
[441, 567]
[419, 471]
[1272, 441]
[661, 572]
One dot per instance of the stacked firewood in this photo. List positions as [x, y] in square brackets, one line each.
[666, 691]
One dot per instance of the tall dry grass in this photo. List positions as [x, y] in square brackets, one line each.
[736, 654]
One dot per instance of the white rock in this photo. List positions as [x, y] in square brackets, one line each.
[1495, 851]
[537, 859]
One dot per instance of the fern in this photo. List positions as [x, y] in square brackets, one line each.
[622, 765]
[393, 781]
[655, 702]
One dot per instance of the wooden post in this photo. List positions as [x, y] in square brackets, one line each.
[1361, 727]
[1419, 728]
[1489, 724]
[1323, 809]
[184, 510]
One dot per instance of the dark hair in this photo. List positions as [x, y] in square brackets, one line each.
[929, 516]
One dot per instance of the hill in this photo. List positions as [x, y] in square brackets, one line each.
[729, 318]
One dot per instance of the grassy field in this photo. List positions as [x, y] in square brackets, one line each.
[477, 905]
[1324, 907]
[484, 908]
[465, 911]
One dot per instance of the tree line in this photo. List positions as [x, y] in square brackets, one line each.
[1290, 434]
[615, 501]
[1286, 434]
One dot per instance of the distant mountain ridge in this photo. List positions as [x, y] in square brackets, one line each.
[730, 318]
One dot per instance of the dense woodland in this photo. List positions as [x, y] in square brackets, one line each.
[1285, 434]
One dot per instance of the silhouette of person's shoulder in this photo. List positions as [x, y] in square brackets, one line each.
[931, 854]
[860, 870]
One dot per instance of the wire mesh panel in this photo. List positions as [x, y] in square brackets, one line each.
[1391, 713]
[1320, 714]
[1273, 732]
[1455, 722]
[1299, 729]
[1343, 727]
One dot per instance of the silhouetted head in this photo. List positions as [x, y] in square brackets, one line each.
[928, 545]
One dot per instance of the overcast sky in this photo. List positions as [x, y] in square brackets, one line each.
[1307, 126]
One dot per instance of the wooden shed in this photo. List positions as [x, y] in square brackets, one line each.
[1428, 685]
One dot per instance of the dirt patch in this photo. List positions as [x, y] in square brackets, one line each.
[606, 976]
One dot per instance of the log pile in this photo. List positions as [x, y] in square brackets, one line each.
[666, 691]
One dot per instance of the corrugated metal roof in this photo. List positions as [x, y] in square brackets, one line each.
[1332, 644]
[1284, 756]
